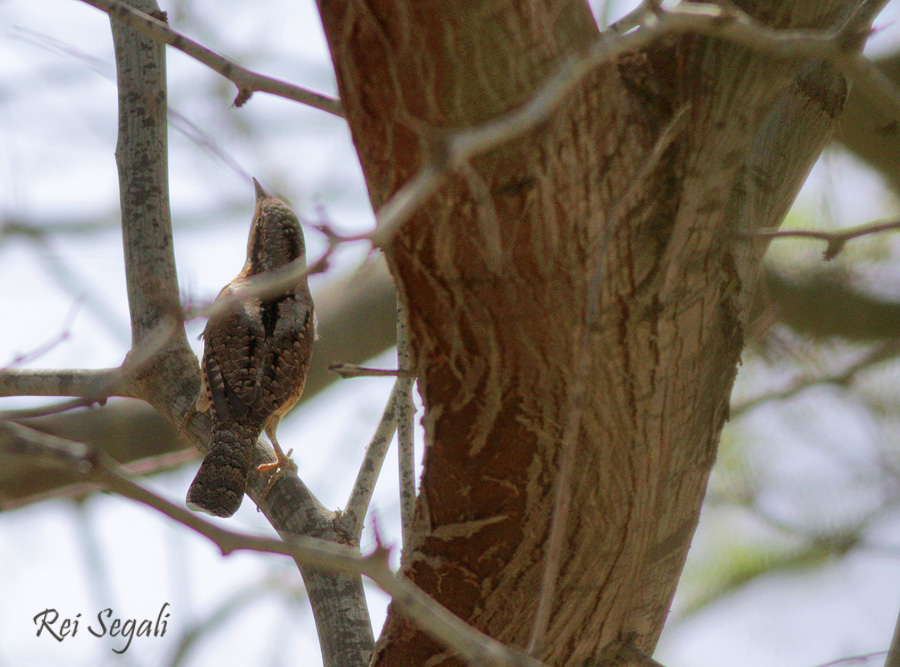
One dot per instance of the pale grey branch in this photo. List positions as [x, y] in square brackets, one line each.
[354, 514]
[406, 412]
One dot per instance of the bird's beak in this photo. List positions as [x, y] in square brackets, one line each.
[260, 193]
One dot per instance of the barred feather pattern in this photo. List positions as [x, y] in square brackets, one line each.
[219, 486]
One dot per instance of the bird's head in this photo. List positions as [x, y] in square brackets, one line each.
[275, 235]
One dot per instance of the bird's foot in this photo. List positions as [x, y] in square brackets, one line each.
[200, 405]
[188, 415]
[280, 467]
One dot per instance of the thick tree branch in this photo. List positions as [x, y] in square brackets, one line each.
[141, 157]
[172, 383]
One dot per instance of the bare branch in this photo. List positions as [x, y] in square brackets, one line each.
[354, 514]
[246, 81]
[837, 239]
[406, 411]
[474, 647]
[80, 383]
[95, 386]
[861, 659]
[878, 355]
[42, 349]
[142, 161]
[347, 371]
[54, 409]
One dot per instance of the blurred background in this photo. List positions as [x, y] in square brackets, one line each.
[796, 561]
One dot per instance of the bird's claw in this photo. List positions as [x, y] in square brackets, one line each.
[280, 467]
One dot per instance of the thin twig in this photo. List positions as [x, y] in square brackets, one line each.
[65, 331]
[856, 659]
[100, 385]
[274, 283]
[881, 353]
[358, 504]
[406, 411]
[471, 645]
[836, 239]
[246, 81]
[347, 371]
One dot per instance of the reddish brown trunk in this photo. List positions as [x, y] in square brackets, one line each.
[496, 269]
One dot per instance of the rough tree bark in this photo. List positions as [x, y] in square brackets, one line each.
[496, 269]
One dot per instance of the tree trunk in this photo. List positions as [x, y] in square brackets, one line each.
[496, 270]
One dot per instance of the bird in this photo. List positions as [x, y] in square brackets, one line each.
[257, 351]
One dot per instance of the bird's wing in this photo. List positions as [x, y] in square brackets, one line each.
[235, 343]
[288, 351]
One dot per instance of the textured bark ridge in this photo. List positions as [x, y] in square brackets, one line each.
[496, 270]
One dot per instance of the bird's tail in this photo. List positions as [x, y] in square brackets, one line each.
[218, 487]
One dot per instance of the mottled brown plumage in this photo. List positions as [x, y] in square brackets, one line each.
[255, 361]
